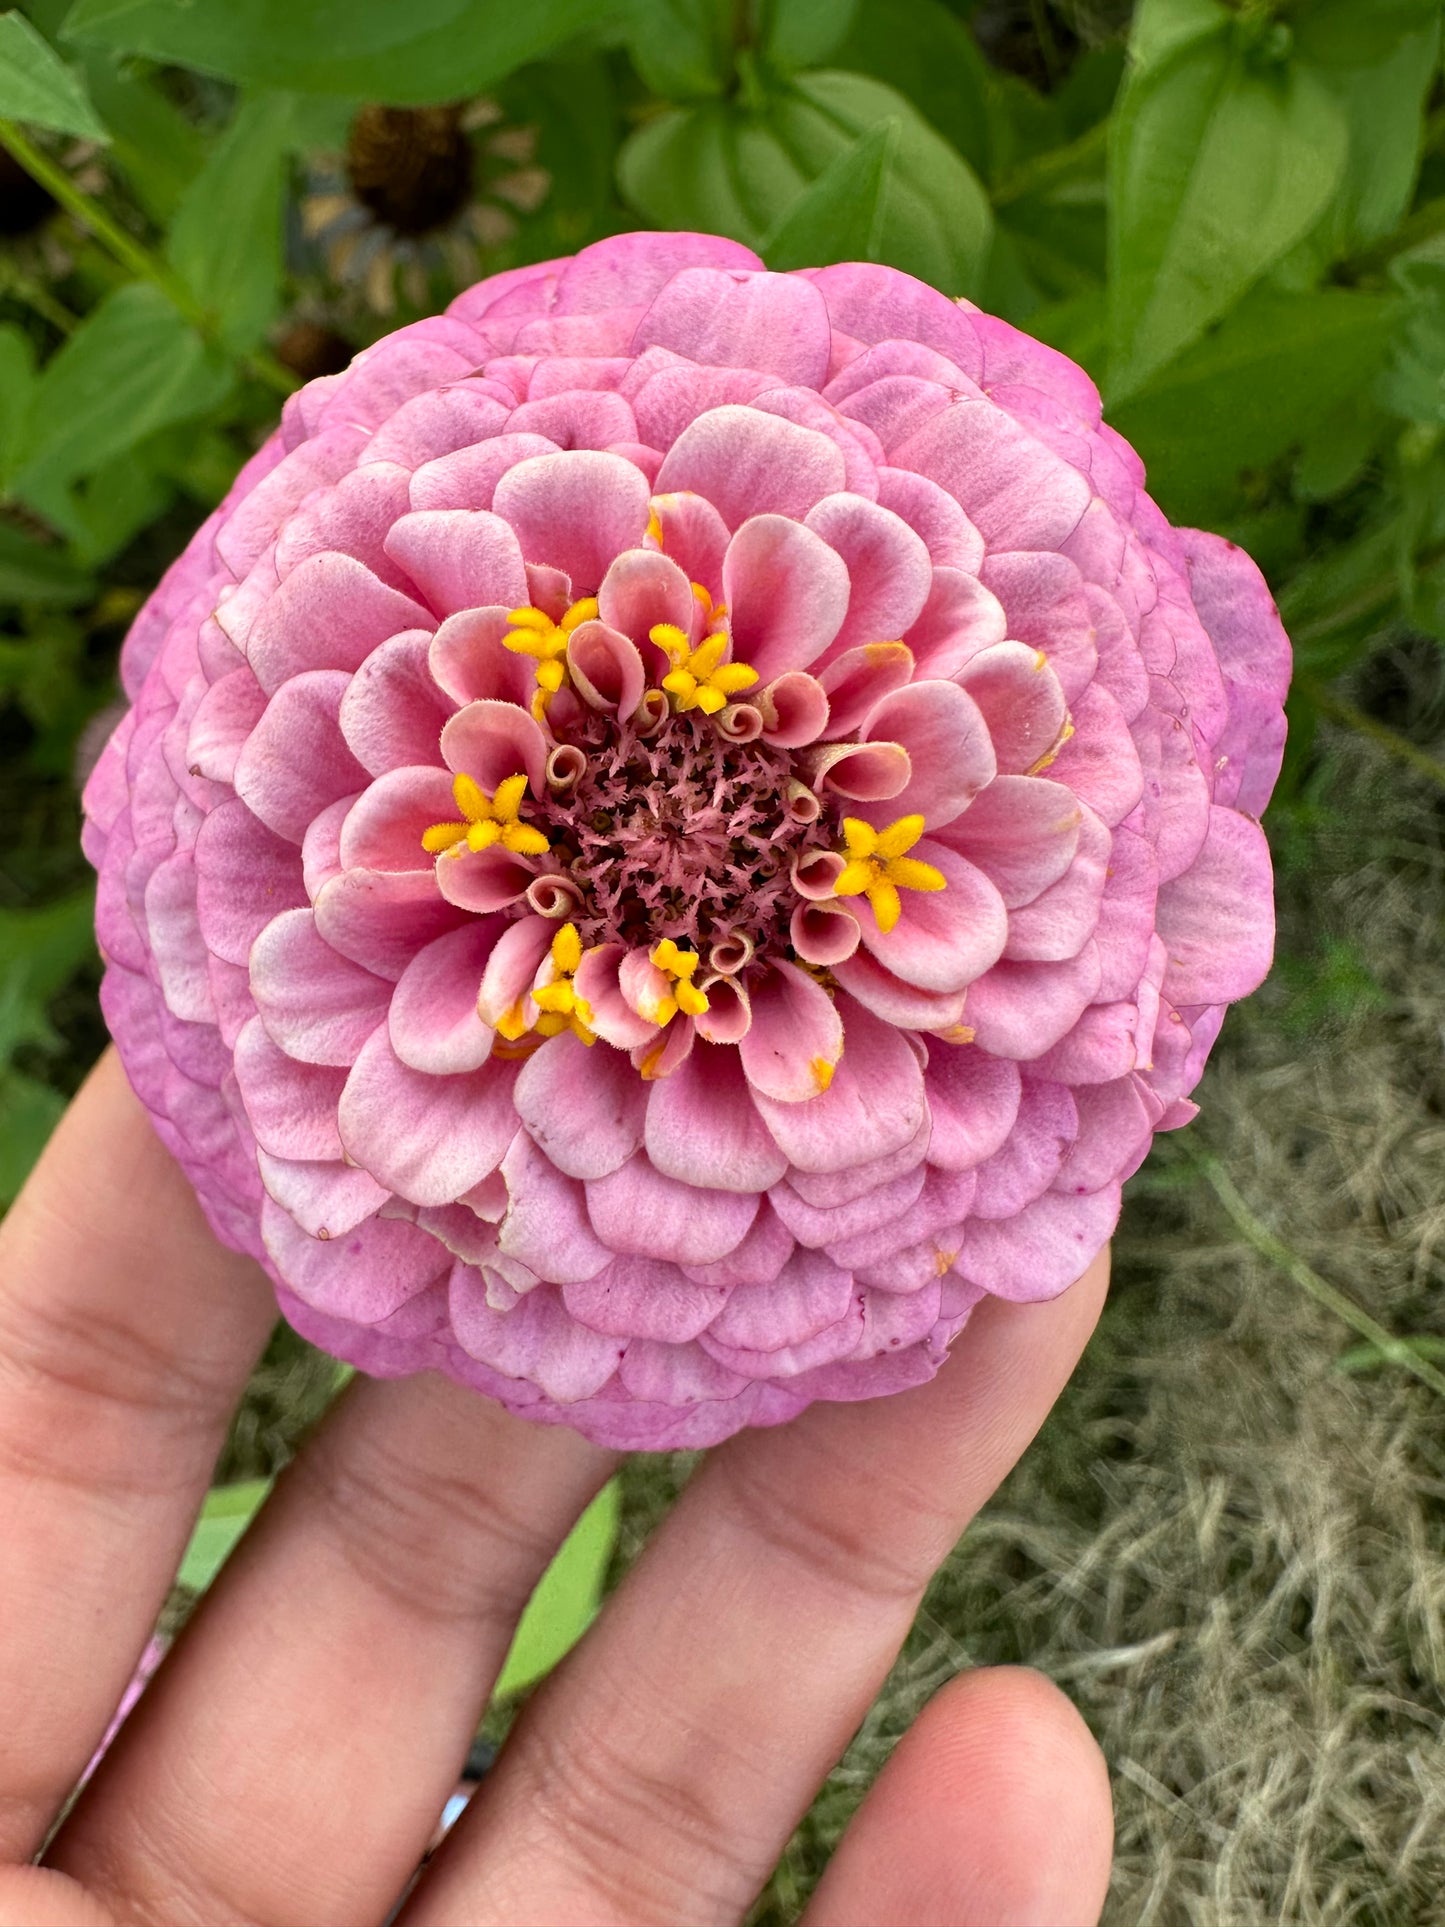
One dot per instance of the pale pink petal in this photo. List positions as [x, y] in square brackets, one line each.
[856, 681]
[381, 920]
[794, 710]
[808, 1316]
[467, 478]
[627, 269]
[483, 881]
[441, 419]
[642, 589]
[384, 827]
[295, 760]
[326, 1197]
[1017, 493]
[433, 1022]
[818, 1225]
[1061, 919]
[947, 740]
[579, 418]
[606, 668]
[747, 463]
[676, 1376]
[575, 511]
[1099, 761]
[546, 1226]
[598, 980]
[321, 845]
[874, 303]
[177, 947]
[1021, 701]
[866, 772]
[315, 1004]
[350, 519]
[290, 1107]
[1217, 920]
[952, 540]
[637, 1210]
[959, 618]
[694, 536]
[427, 1138]
[1020, 1009]
[512, 966]
[644, 1298]
[536, 1342]
[245, 875]
[491, 741]
[329, 613]
[1116, 1123]
[392, 713]
[943, 939]
[786, 592]
[973, 1099]
[1026, 1165]
[889, 569]
[1022, 832]
[363, 1276]
[1043, 597]
[795, 1038]
[874, 1105]
[244, 535]
[220, 725]
[775, 322]
[469, 660]
[459, 558]
[583, 1106]
[1044, 1249]
[824, 934]
[703, 1128]
[888, 997]
[760, 1257]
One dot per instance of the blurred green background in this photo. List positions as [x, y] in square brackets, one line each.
[1230, 1543]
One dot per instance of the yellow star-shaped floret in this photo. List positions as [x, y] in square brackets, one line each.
[534, 633]
[486, 820]
[680, 966]
[558, 1002]
[878, 867]
[699, 678]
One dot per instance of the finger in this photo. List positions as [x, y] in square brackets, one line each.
[292, 1757]
[660, 1773]
[126, 1334]
[993, 1811]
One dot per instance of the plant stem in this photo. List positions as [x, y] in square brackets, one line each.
[129, 252]
[1390, 740]
[1257, 1233]
[1054, 166]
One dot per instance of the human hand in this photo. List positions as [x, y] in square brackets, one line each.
[289, 1761]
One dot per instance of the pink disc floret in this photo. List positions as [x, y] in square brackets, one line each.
[677, 828]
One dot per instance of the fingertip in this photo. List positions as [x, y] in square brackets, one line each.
[994, 1809]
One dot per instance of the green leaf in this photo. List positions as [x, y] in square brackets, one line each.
[738, 171]
[793, 34]
[29, 1112]
[38, 572]
[132, 366]
[566, 1602]
[683, 49]
[36, 85]
[153, 144]
[427, 50]
[17, 385]
[40, 951]
[841, 216]
[1222, 157]
[932, 59]
[228, 1510]
[1370, 1358]
[227, 239]
[1244, 396]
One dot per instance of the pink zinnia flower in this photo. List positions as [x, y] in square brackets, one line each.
[677, 827]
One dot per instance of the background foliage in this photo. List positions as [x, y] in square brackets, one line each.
[1232, 212]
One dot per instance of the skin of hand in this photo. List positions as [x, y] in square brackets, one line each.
[289, 1761]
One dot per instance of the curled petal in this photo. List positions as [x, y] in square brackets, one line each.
[490, 741]
[606, 668]
[793, 710]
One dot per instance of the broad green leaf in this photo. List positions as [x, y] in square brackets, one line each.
[228, 1510]
[36, 85]
[683, 49]
[29, 1112]
[1221, 159]
[932, 59]
[1163, 28]
[738, 171]
[153, 144]
[793, 34]
[37, 572]
[226, 242]
[1383, 100]
[1247, 394]
[566, 1602]
[427, 50]
[132, 366]
[40, 951]
[841, 216]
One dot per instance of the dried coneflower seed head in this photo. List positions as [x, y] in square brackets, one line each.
[411, 166]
